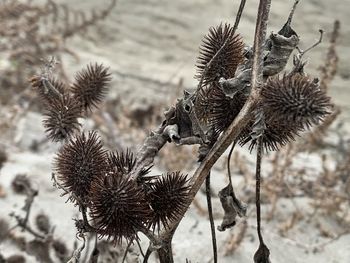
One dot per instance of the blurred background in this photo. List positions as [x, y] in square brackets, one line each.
[151, 48]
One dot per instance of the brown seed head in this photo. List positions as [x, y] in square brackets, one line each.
[290, 105]
[79, 162]
[295, 99]
[218, 110]
[119, 207]
[91, 86]
[169, 198]
[225, 64]
[123, 162]
[62, 118]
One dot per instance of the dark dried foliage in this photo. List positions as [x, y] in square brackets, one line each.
[79, 162]
[16, 259]
[21, 184]
[61, 250]
[119, 207]
[90, 85]
[3, 157]
[225, 64]
[62, 118]
[4, 227]
[169, 198]
[42, 222]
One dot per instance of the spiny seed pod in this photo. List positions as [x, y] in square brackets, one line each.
[119, 207]
[275, 135]
[62, 118]
[79, 162]
[295, 99]
[90, 86]
[226, 62]
[169, 198]
[290, 105]
[220, 109]
[123, 162]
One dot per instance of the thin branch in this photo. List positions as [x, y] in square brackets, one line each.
[228, 162]
[303, 52]
[239, 15]
[126, 250]
[140, 248]
[146, 257]
[257, 189]
[211, 218]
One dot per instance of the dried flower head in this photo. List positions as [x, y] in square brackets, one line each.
[218, 110]
[119, 207]
[90, 86]
[62, 118]
[226, 62]
[123, 162]
[295, 99]
[79, 162]
[169, 197]
[290, 105]
[275, 135]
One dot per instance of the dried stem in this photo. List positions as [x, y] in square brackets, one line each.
[244, 116]
[257, 188]
[211, 218]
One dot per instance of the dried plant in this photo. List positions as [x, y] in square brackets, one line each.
[169, 196]
[90, 86]
[226, 62]
[61, 120]
[79, 162]
[119, 207]
[242, 96]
